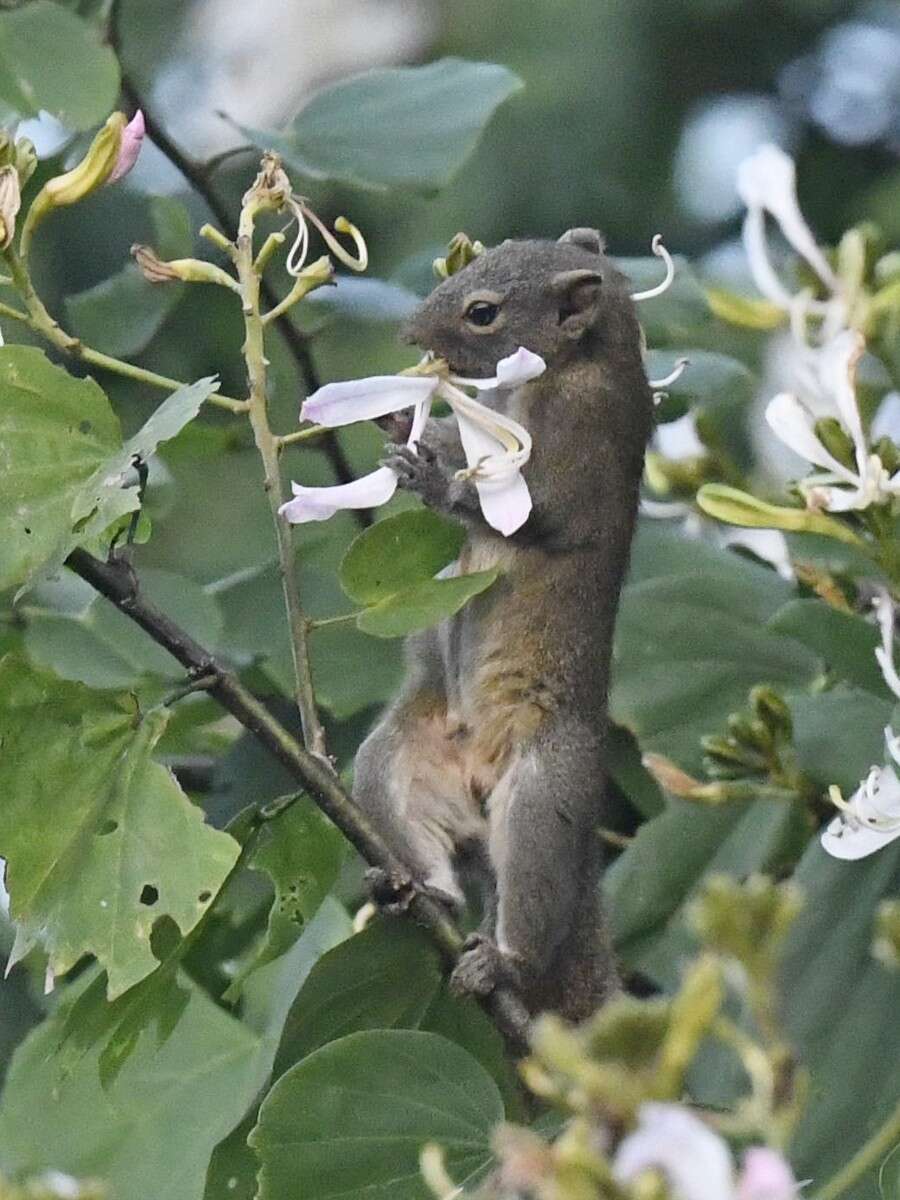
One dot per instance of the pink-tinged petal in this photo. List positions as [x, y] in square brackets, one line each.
[519, 368]
[318, 504]
[516, 368]
[362, 399]
[794, 425]
[674, 1141]
[420, 416]
[506, 504]
[766, 1175]
[130, 148]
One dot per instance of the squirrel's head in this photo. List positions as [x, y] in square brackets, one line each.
[550, 297]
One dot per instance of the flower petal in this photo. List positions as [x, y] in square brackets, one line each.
[757, 250]
[129, 147]
[842, 840]
[768, 180]
[766, 1175]
[506, 505]
[793, 424]
[516, 368]
[362, 399]
[837, 368]
[320, 503]
[669, 1138]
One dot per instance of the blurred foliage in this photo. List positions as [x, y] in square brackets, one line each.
[211, 984]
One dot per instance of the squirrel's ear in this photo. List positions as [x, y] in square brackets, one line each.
[587, 239]
[577, 296]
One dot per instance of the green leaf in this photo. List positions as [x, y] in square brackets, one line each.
[53, 60]
[707, 380]
[301, 851]
[151, 1132]
[355, 987]
[100, 646]
[63, 460]
[397, 553]
[844, 641]
[660, 871]
[100, 841]
[122, 315]
[423, 605]
[351, 1118]
[839, 735]
[421, 124]
[840, 1008]
[365, 299]
[680, 314]
[688, 650]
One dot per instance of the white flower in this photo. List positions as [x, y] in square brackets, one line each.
[837, 488]
[767, 182]
[870, 819]
[696, 1162]
[496, 447]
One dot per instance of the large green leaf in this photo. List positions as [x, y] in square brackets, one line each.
[351, 1119]
[660, 871]
[689, 648]
[356, 986]
[844, 641]
[408, 127]
[841, 1009]
[64, 464]
[680, 314]
[121, 315]
[151, 1132]
[100, 841]
[53, 60]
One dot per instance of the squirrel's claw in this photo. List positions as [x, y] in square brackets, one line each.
[481, 968]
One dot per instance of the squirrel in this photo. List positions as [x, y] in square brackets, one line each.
[492, 758]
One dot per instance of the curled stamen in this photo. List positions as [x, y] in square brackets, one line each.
[299, 250]
[659, 397]
[676, 373]
[661, 252]
[342, 225]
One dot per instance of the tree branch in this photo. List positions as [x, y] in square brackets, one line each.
[117, 581]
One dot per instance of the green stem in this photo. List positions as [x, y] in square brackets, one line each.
[323, 622]
[268, 447]
[867, 1156]
[39, 319]
[301, 435]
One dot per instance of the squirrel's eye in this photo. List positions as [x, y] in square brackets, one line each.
[482, 313]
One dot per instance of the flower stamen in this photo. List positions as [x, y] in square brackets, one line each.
[661, 252]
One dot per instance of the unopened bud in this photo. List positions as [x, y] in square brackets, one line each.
[772, 711]
[26, 159]
[7, 150]
[460, 252]
[732, 752]
[886, 946]
[10, 202]
[90, 174]
[185, 270]
[889, 453]
[735, 507]
[836, 440]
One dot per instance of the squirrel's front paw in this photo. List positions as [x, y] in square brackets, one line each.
[482, 967]
[419, 471]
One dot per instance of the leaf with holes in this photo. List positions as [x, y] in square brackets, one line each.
[63, 466]
[301, 851]
[100, 841]
[421, 124]
[351, 1118]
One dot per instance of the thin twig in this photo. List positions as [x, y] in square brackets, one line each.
[39, 319]
[118, 583]
[255, 358]
[198, 176]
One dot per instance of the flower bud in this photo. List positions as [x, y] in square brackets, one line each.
[889, 453]
[90, 174]
[10, 201]
[186, 270]
[772, 712]
[735, 507]
[7, 151]
[886, 946]
[460, 252]
[746, 920]
[26, 159]
[836, 440]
